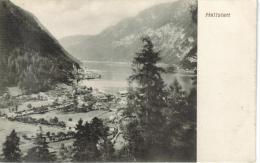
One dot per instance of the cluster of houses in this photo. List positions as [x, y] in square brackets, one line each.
[61, 136]
[13, 112]
[40, 96]
[52, 137]
[84, 73]
[30, 120]
[84, 99]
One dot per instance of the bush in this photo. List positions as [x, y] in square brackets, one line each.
[55, 120]
[29, 106]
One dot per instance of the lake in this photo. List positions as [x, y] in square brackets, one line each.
[114, 76]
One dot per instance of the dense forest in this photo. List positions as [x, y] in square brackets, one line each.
[33, 72]
[30, 57]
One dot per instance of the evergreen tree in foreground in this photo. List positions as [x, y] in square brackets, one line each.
[11, 150]
[85, 148]
[63, 152]
[40, 152]
[147, 75]
[162, 124]
[87, 139]
[107, 150]
[180, 124]
[146, 102]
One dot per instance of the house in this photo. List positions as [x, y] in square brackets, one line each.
[123, 93]
[100, 106]
[103, 98]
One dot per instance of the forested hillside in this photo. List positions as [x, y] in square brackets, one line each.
[29, 56]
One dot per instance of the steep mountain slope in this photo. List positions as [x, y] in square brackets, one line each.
[169, 25]
[29, 56]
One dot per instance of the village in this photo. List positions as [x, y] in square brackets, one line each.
[60, 109]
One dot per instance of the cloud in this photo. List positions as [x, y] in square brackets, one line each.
[76, 17]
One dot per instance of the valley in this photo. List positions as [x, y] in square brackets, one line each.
[122, 94]
[108, 100]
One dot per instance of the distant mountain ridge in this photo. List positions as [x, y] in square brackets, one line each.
[30, 57]
[169, 25]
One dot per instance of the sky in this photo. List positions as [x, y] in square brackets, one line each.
[83, 17]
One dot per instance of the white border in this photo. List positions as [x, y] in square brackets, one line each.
[258, 89]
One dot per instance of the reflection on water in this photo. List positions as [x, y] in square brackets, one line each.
[115, 75]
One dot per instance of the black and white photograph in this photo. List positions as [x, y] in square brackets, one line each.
[98, 80]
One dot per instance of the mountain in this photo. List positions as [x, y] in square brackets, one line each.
[170, 25]
[30, 56]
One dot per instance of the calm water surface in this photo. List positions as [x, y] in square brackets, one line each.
[115, 75]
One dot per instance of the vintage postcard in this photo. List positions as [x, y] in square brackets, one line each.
[127, 80]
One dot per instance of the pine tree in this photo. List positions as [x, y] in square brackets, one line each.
[150, 83]
[100, 134]
[63, 152]
[98, 129]
[40, 152]
[107, 150]
[85, 144]
[181, 122]
[191, 135]
[87, 139]
[11, 150]
[136, 149]
[146, 102]
[176, 97]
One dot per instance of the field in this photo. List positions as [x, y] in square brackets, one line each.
[75, 117]
[31, 129]
[22, 128]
